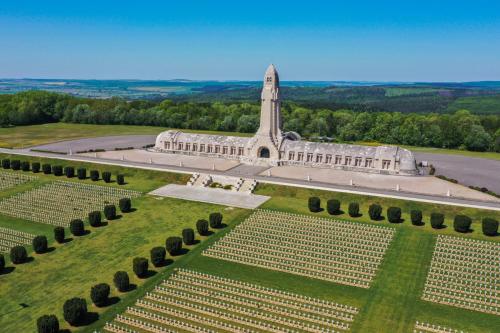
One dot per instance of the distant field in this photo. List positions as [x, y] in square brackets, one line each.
[477, 105]
[26, 136]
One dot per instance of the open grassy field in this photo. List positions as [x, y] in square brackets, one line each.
[27, 136]
[392, 304]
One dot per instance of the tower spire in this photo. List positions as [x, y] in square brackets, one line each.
[270, 112]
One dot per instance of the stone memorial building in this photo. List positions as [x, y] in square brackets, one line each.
[271, 147]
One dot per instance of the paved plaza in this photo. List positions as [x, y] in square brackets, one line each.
[211, 195]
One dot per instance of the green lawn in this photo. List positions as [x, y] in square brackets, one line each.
[392, 304]
[26, 136]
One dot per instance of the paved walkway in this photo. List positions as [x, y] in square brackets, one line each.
[274, 180]
[211, 195]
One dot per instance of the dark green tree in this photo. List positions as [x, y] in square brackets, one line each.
[46, 168]
[490, 226]
[353, 209]
[59, 234]
[106, 176]
[47, 324]
[110, 212]
[15, 164]
[202, 227]
[99, 294]
[57, 170]
[120, 179]
[25, 166]
[35, 167]
[333, 206]
[94, 175]
[140, 267]
[40, 244]
[375, 212]
[6, 163]
[69, 171]
[188, 236]
[125, 205]
[95, 218]
[81, 173]
[437, 220]
[77, 227]
[462, 223]
[173, 245]
[18, 255]
[394, 214]
[121, 281]
[314, 204]
[158, 256]
[215, 220]
[416, 217]
[75, 311]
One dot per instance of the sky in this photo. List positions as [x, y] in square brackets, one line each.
[364, 40]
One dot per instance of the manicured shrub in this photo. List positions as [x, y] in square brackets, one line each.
[121, 281]
[59, 235]
[333, 206]
[110, 212]
[314, 204]
[77, 227]
[140, 267]
[95, 218]
[353, 209]
[120, 179]
[35, 167]
[25, 166]
[437, 220]
[81, 173]
[375, 212]
[158, 256]
[188, 236]
[394, 214]
[6, 163]
[15, 165]
[99, 294]
[94, 175]
[47, 324]
[416, 217]
[2, 263]
[57, 170]
[18, 255]
[106, 176]
[46, 168]
[173, 245]
[202, 227]
[125, 205]
[215, 220]
[490, 226]
[462, 223]
[69, 171]
[75, 311]
[40, 244]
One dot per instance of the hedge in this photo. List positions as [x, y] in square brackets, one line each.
[314, 204]
[94, 175]
[140, 267]
[215, 220]
[40, 244]
[437, 220]
[81, 173]
[202, 227]
[57, 170]
[99, 294]
[106, 176]
[416, 217]
[462, 223]
[15, 165]
[120, 179]
[394, 214]
[353, 209]
[158, 256]
[77, 227]
[490, 226]
[35, 167]
[333, 206]
[6, 163]
[110, 212]
[59, 234]
[121, 281]
[2, 263]
[25, 166]
[173, 245]
[47, 324]
[188, 236]
[95, 218]
[18, 255]
[375, 212]
[69, 171]
[125, 205]
[75, 311]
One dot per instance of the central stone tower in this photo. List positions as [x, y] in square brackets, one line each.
[264, 146]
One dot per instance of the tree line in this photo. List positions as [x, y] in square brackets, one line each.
[461, 129]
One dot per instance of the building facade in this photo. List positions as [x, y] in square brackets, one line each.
[271, 147]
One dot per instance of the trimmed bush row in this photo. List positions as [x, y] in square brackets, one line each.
[59, 170]
[461, 223]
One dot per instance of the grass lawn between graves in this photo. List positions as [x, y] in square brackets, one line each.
[392, 304]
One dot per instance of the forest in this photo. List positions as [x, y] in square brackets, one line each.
[458, 129]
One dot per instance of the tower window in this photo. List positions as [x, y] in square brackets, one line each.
[291, 156]
[328, 159]
[269, 79]
[300, 156]
[309, 157]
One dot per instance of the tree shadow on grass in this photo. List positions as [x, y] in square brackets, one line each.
[90, 318]
[67, 240]
[112, 300]
[181, 252]
[131, 287]
[355, 215]
[165, 262]
[196, 241]
[378, 219]
[7, 270]
[418, 224]
[49, 249]
[443, 226]
[149, 274]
